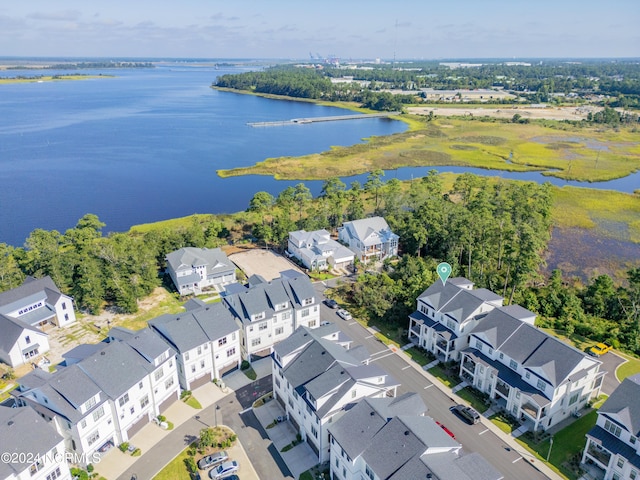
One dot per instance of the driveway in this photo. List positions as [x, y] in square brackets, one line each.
[610, 361]
[263, 262]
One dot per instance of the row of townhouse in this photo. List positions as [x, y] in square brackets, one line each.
[530, 374]
[103, 394]
[612, 450]
[393, 439]
[347, 411]
[24, 312]
[31, 448]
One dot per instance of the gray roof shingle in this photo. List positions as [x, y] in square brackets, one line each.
[623, 406]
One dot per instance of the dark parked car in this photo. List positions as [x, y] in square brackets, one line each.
[467, 413]
[330, 303]
[212, 460]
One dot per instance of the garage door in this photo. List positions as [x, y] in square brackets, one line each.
[198, 382]
[261, 354]
[167, 403]
[228, 369]
[136, 427]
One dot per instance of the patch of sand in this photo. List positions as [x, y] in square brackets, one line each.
[549, 113]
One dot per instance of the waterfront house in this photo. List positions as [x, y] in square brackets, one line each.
[370, 239]
[318, 251]
[196, 269]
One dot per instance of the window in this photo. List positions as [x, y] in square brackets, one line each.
[168, 383]
[633, 475]
[222, 341]
[501, 355]
[574, 398]
[123, 399]
[90, 403]
[612, 428]
[478, 345]
[35, 467]
[353, 393]
[513, 365]
[286, 315]
[278, 382]
[312, 323]
[369, 473]
[255, 342]
[186, 355]
[140, 385]
[27, 340]
[144, 401]
[279, 330]
[83, 423]
[231, 351]
[66, 316]
[201, 363]
[98, 413]
[632, 440]
[527, 375]
[304, 313]
[541, 384]
[55, 474]
[620, 462]
[193, 368]
[314, 431]
[93, 438]
[158, 374]
[307, 301]
[64, 305]
[263, 326]
[490, 351]
[337, 462]
[199, 350]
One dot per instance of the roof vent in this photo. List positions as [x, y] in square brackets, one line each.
[10, 422]
[406, 432]
[323, 352]
[342, 372]
[102, 353]
[372, 413]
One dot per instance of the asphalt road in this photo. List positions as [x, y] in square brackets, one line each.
[610, 362]
[476, 438]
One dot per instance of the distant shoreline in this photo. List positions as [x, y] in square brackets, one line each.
[50, 78]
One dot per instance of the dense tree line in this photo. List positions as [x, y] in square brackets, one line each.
[619, 81]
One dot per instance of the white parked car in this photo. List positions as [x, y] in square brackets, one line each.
[343, 314]
[224, 470]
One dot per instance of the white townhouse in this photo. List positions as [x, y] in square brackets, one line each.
[391, 439]
[106, 392]
[370, 239]
[20, 342]
[612, 451]
[268, 312]
[532, 375]
[446, 313]
[317, 378]
[196, 269]
[35, 449]
[318, 251]
[206, 338]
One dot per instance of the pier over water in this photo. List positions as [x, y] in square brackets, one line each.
[302, 121]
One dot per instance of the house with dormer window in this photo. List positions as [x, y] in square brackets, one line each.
[267, 312]
[446, 313]
[318, 251]
[530, 374]
[370, 239]
[317, 376]
[196, 269]
[612, 451]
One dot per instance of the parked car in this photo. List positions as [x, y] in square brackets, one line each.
[599, 349]
[467, 413]
[343, 314]
[212, 460]
[449, 432]
[330, 303]
[224, 470]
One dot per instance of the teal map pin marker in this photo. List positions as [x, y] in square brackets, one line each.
[444, 270]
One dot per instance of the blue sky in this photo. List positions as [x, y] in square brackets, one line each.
[348, 29]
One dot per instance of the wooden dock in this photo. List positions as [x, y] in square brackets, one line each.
[304, 121]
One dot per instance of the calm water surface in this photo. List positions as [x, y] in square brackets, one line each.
[145, 146]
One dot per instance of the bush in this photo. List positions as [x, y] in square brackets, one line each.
[90, 468]
[123, 446]
[162, 418]
[184, 394]
[136, 453]
[79, 474]
[244, 365]
[191, 465]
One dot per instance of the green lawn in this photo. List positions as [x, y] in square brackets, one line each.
[469, 394]
[250, 373]
[628, 368]
[418, 356]
[193, 402]
[567, 444]
[175, 470]
[503, 423]
[442, 375]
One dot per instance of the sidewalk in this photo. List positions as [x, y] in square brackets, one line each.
[508, 439]
[114, 463]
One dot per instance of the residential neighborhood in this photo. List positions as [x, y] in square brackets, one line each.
[353, 407]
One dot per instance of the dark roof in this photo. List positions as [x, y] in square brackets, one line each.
[144, 341]
[29, 287]
[616, 446]
[28, 433]
[623, 406]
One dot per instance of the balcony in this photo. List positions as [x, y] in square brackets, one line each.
[469, 365]
[530, 410]
[442, 345]
[600, 455]
[503, 389]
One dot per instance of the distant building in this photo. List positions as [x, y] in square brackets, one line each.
[318, 251]
[370, 239]
[196, 269]
[613, 445]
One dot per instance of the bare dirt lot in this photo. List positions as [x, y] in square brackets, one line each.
[549, 113]
[265, 263]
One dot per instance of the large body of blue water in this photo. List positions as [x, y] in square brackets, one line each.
[145, 146]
